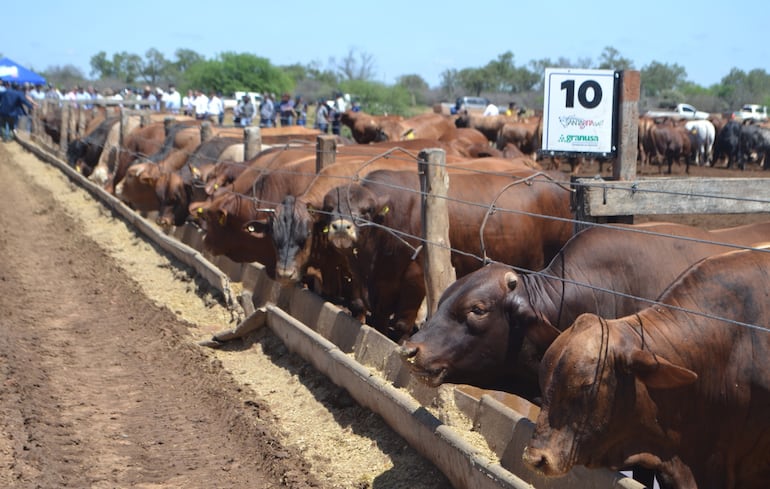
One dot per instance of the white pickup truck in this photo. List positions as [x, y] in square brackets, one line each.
[751, 111]
[683, 111]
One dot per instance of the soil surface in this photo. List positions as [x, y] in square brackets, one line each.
[103, 385]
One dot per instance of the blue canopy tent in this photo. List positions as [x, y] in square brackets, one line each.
[12, 71]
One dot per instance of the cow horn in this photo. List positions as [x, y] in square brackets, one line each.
[511, 280]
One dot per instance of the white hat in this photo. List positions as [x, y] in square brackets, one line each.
[330, 103]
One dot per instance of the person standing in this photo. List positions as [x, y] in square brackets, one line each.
[13, 104]
[300, 107]
[172, 100]
[188, 103]
[286, 108]
[216, 109]
[245, 111]
[322, 117]
[200, 105]
[266, 112]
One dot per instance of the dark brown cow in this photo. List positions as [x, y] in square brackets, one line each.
[84, 154]
[526, 135]
[177, 189]
[671, 142]
[489, 126]
[375, 225]
[366, 128]
[494, 324]
[683, 390]
[140, 143]
[137, 187]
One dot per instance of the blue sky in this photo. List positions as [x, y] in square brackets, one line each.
[707, 38]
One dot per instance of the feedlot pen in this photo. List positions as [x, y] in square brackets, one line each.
[474, 437]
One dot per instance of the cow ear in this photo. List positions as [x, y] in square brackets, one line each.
[520, 314]
[657, 372]
[258, 229]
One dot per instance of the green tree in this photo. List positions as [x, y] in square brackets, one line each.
[230, 72]
[101, 66]
[610, 59]
[185, 58]
[449, 84]
[65, 76]
[378, 98]
[501, 73]
[474, 80]
[657, 77]
[155, 66]
[415, 85]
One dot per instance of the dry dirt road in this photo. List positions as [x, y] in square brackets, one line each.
[102, 384]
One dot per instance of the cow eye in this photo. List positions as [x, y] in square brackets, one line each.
[478, 310]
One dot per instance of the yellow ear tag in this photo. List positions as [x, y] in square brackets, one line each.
[326, 229]
[216, 186]
[222, 219]
[196, 172]
[384, 210]
[410, 135]
[200, 210]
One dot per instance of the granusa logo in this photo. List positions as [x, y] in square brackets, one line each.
[579, 139]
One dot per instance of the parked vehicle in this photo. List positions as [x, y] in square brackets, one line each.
[471, 104]
[751, 112]
[682, 111]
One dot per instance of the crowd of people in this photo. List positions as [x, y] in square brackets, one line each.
[270, 111]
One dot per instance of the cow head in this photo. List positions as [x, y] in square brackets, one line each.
[596, 407]
[346, 208]
[229, 221]
[484, 330]
[290, 228]
[174, 198]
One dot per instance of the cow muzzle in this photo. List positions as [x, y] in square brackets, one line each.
[342, 233]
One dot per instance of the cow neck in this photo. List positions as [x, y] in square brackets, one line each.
[549, 293]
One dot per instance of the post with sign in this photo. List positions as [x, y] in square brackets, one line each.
[590, 113]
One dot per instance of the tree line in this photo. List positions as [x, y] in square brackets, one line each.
[501, 79]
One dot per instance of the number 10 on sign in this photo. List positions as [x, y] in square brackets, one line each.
[579, 111]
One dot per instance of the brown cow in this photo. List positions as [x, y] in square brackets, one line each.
[487, 125]
[140, 143]
[177, 189]
[423, 126]
[683, 390]
[527, 135]
[364, 127]
[494, 324]
[376, 225]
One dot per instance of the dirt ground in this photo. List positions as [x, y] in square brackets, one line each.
[102, 384]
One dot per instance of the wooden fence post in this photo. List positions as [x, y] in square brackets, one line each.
[206, 131]
[145, 118]
[434, 184]
[64, 128]
[325, 151]
[252, 142]
[167, 123]
[628, 123]
[627, 149]
[124, 130]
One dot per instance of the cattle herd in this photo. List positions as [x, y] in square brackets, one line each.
[645, 345]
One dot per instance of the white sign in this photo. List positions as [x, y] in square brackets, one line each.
[578, 115]
[12, 71]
